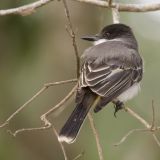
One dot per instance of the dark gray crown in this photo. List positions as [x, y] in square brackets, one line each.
[116, 31]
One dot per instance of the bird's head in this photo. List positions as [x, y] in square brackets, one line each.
[111, 32]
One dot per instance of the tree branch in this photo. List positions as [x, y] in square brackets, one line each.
[30, 8]
[26, 9]
[125, 7]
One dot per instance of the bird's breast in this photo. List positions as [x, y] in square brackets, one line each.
[129, 93]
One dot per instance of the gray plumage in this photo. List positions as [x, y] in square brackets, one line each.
[111, 69]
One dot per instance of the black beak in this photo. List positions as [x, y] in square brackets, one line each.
[91, 38]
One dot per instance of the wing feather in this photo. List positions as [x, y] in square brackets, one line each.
[109, 69]
[106, 80]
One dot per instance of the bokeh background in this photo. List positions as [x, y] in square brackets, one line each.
[36, 49]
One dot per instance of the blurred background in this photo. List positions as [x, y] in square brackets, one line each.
[36, 49]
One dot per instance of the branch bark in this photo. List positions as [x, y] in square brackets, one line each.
[99, 147]
[26, 9]
[73, 36]
[124, 7]
[30, 8]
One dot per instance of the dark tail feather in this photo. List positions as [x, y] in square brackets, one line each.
[71, 128]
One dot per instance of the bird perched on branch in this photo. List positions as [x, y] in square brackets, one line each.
[111, 72]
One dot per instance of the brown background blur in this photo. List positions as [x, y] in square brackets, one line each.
[36, 49]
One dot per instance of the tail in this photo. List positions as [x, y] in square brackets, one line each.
[72, 127]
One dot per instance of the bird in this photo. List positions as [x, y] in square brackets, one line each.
[111, 71]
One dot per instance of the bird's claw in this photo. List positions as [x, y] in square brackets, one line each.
[118, 106]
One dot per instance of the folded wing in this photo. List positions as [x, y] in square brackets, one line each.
[108, 81]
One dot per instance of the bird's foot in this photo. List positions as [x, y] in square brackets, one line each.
[118, 106]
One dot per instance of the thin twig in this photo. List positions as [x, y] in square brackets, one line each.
[28, 130]
[156, 139]
[128, 134]
[30, 8]
[73, 36]
[61, 145]
[99, 147]
[79, 156]
[47, 123]
[60, 103]
[153, 116]
[138, 117]
[60, 82]
[26, 9]
[23, 106]
[46, 86]
[149, 128]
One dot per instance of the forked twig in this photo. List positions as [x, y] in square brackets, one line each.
[46, 86]
[149, 128]
[43, 118]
